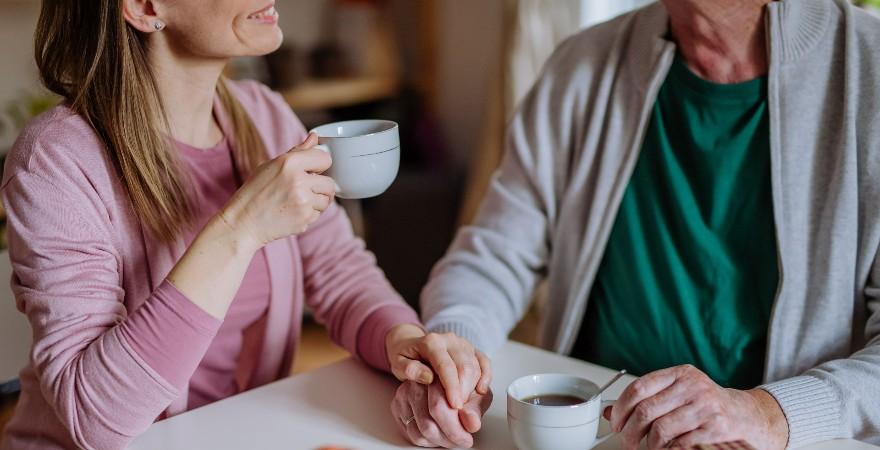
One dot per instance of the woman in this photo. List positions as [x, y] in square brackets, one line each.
[166, 227]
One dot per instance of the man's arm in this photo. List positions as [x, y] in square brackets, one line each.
[484, 284]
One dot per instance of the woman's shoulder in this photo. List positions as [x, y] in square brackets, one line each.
[280, 128]
[56, 144]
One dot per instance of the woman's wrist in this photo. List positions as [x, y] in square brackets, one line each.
[210, 271]
[229, 227]
[401, 333]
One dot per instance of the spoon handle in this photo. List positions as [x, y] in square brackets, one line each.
[608, 384]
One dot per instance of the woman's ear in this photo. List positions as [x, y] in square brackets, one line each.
[141, 15]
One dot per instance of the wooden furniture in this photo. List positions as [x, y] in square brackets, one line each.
[319, 94]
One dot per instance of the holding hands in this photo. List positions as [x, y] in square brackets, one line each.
[442, 410]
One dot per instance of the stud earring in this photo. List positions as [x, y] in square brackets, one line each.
[158, 25]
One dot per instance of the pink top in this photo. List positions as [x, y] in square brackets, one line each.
[215, 180]
[117, 346]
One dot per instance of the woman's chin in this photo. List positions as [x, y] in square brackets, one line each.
[267, 42]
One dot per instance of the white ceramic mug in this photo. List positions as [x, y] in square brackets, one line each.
[542, 427]
[366, 155]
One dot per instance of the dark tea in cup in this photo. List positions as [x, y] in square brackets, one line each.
[554, 400]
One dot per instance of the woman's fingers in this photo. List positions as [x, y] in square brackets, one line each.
[310, 141]
[309, 160]
[447, 418]
[405, 369]
[323, 185]
[322, 202]
[403, 415]
[425, 423]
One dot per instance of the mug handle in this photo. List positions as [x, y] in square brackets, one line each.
[326, 149]
[600, 439]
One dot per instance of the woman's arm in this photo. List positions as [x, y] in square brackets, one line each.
[88, 350]
[67, 281]
[347, 291]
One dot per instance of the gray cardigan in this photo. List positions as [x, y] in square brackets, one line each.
[572, 147]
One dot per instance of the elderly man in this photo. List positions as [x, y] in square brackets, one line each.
[699, 182]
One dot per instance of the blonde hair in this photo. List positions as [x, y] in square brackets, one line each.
[87, 53]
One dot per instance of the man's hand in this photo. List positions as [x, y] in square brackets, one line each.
[683, 406]
[460, 367]
[424, 417]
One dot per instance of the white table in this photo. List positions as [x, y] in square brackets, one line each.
[347, 405]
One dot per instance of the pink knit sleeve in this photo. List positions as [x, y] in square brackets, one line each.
[92, 358]
[170, 333]
[347, 291]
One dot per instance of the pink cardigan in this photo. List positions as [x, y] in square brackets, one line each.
[83, 266]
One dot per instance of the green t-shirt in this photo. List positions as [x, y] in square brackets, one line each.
[690, 271]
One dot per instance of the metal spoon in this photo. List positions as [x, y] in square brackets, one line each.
[607, 385]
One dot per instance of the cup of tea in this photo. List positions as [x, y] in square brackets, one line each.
[366, 155]
[550, 412]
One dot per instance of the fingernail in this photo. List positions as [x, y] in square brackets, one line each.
[425, 378]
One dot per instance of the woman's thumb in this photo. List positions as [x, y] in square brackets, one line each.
[412, 370]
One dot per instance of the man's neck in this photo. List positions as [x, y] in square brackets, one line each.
[187, 87]
[721, 40]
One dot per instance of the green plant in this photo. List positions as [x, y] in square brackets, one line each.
[25, 107]
[871, 3]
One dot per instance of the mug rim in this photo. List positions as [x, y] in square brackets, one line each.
[577, 405]
[393, 125]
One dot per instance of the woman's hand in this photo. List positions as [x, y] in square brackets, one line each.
[424, 417]
[283, 197]
[461, 368]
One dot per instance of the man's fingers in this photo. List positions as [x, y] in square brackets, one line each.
[469, 371]
[673, 425]
[471, 415]
[652, 408]
[485, 373]
[447, 371]
[447, 418]
[640, 389]
[693, 438]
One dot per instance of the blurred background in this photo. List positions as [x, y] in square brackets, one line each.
[449, 71]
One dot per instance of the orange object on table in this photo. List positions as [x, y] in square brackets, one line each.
[735, 445]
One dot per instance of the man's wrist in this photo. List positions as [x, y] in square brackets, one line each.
[774, 417]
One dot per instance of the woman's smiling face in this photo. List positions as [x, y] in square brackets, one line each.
[220, 28]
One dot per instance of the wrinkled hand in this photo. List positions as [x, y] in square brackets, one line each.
[683, 406]
[432, 423]
[461, 368]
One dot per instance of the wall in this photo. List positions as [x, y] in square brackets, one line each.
[17, 70]
[470, 51]
[469, 48]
